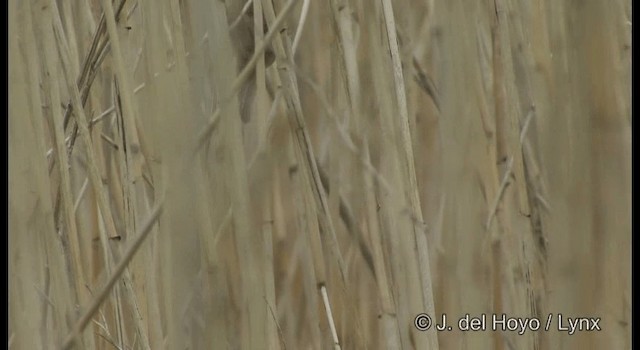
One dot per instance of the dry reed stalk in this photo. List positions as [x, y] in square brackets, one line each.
[245, 74]
[310, 219]
[145, 229]
[239, 81]
[49, 27]
[93, 170]
[250, 247]
[270, 298]
[190, 312]
[169, 126]
[531, 189]
[530, 180]
[130, 203]
[71, 232]
[126, 97]
[512, 244]
[67, 68]
[39, 303]
[497, 241]
[348, 218]
[93, 59]
[313, 269]
[609, 145]
[261, 77]
[389, 320]
[306, 158]
[343, 20]
[70, 33]
[282, 47]
[263, 119]
[109, 255]
[343, 23]
[420, 227]
[303, 20]
[390, 201]
[396, 220]
[33, 71]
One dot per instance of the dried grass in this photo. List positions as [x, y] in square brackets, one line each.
[312, 175]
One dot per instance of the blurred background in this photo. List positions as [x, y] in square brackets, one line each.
[176, 183]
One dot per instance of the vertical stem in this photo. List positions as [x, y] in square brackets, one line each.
[408, 160]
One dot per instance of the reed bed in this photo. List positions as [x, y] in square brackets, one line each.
[296, 174]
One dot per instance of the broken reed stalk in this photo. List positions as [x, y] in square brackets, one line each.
[303, 20]
[507, 173]
[129, 112]
[332, 326]
[144, 231]
[92, 61]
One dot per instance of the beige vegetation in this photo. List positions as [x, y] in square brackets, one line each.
[187, 174]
